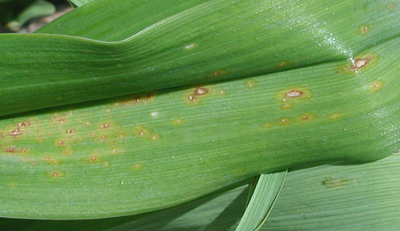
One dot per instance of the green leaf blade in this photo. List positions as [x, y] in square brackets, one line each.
[192, 47]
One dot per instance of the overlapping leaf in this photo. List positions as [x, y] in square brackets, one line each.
[143, 152]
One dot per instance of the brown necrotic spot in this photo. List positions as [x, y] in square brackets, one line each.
[293, 94]
[58, 119]
[363, 29]
[15, 150]
[70, 131]
[195, 96]
[307, 117]
[200, 91]
[106, 125]
[360, 63]
[55, 174]
[141, 131]
[23, 124]
[193, 99]
[283, 121]
[93, 158]
[15, 132]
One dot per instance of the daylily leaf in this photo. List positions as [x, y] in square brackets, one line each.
[263, 197]
[78, 3]
[140, 153]
[161, 149]
[348, 198]
[214, 41]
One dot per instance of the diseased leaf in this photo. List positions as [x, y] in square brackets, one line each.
[161, 149]
[78, 3]
[215, 41]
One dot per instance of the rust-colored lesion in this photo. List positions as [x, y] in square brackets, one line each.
[56, 174]
[359, 64]
[16, 132]
[16, 150]
[136, 100]
[195, 96]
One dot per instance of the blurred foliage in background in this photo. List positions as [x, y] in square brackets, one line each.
[15, 13]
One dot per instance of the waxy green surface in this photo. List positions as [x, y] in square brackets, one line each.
[150, 151]
[210, 42]
[160, 148]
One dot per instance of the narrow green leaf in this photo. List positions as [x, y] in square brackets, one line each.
[357, 197]
[263, 198]
[162, 149]
[348, 198]
[79, 3]
[195, 46]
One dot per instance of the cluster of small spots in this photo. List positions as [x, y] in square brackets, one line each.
[301, 119]
[23, 124]
[104, 126]
[57, 119]
[15, 133]
[16, 150]
[69, 131]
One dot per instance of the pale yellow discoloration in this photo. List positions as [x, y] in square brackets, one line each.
[250, 84]
[376, 86]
